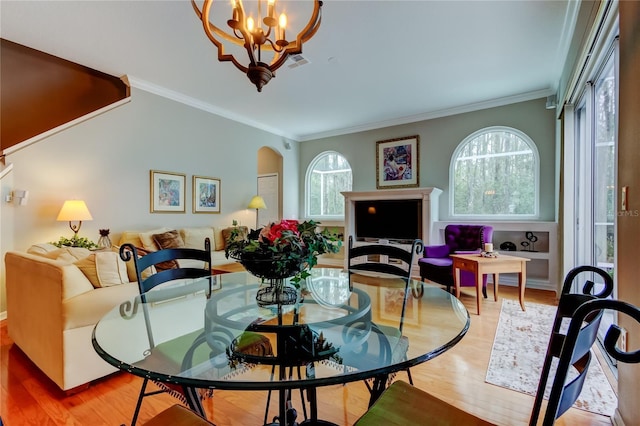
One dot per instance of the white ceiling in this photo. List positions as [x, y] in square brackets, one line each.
[373, 63]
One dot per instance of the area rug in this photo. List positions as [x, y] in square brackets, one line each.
[518, 353]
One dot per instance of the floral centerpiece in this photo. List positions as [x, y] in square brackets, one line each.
[283, 249]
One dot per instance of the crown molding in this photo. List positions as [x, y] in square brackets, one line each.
[432, 115]
[147, 86]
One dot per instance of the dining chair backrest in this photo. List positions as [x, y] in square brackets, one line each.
[403, 404]
[360, 260]
[195, 264]
[567, 305]
[576, 353]
[129, 252]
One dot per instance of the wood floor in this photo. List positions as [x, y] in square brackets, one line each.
[29, 398]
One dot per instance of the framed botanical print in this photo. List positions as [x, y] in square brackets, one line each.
[397, 162]
[206, 194]
[167, 192]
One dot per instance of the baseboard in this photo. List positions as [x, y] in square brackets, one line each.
[616, 420]
[3, 315]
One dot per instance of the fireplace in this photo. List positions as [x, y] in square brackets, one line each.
[416, 208]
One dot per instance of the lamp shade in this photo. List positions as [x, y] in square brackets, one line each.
[74, 210]
[257, 202]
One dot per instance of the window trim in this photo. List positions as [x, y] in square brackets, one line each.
[506, 217]
[307, 177]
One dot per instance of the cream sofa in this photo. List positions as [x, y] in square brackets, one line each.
[192, 237]
[56, 296]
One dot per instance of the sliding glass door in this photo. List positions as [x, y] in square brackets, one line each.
[595, 189]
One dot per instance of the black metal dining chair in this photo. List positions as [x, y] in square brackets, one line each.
[403, 404]
[392, 260]
[170, 259]
[567, 306]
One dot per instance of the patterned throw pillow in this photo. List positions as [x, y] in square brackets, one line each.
[243, 231]
[168, 240]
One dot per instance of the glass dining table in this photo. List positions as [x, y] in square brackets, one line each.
[215, 333]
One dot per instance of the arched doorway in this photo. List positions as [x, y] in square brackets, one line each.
[270, 185]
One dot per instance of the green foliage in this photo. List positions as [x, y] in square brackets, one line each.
[286, 248]
[75, 242]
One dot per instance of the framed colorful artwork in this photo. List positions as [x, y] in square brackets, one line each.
[167, 192]
[206, 194]
[397, 162]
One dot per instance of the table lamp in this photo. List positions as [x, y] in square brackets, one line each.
[257, 202]
[74, 211]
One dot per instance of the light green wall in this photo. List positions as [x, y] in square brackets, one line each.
[106, 161]
[438, 139]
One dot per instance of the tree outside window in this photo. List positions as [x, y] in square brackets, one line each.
[328, 175]
[495, 173]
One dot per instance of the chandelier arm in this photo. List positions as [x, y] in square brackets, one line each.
[314, 23]
[209, 29]
[275, 47]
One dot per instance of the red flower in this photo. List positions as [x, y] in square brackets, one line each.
[274, 231]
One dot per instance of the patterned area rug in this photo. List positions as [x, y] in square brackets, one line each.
[518, 353]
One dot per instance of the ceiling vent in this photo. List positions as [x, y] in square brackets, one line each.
[297, 60]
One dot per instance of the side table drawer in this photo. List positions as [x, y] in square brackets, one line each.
[465, 265]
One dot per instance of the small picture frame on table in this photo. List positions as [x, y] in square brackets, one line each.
[167, 191]
[206, 194]
[397, 162]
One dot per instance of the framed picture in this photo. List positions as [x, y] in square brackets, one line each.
[397, 162]
[167, 192]
[206, 194]
[391, 301]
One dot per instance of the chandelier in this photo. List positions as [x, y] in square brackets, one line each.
[264, 39]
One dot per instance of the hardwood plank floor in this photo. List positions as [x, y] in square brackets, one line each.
[28, 397]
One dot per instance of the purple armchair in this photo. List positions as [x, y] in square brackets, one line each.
[436, 265]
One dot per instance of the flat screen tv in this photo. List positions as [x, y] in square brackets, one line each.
[393, 220]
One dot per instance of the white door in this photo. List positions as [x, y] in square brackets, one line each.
[268, 190]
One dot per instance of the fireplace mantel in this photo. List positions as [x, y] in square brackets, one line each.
[429, 196]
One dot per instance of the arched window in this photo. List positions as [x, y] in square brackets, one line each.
[495, 172]
[327, 176]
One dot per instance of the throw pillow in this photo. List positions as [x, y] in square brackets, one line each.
[131, 267]
[168, 240]
[41, 249]
[104, 269]
[243, 231]
[68, 254]
[194, 238]
[147, 239]
[218, 239]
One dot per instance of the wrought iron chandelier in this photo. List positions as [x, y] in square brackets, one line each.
[263, 39]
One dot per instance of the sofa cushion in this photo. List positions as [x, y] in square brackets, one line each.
[147, 238]
[131, 237]
[42, 248]
[104, 269]
[194, 238]
[68, 254]
[88, 308]
[218, 239]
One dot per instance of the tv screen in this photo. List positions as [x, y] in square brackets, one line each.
[395, 220]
